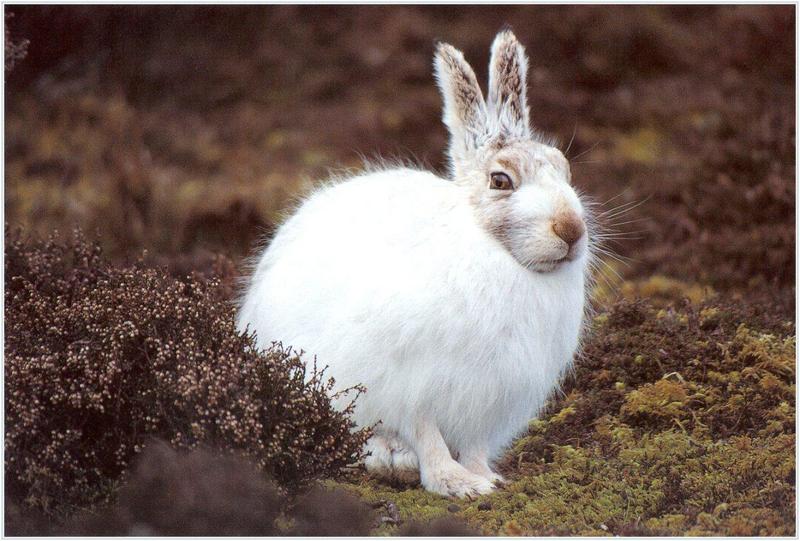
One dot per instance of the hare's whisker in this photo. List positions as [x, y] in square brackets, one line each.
[618, 209]
[613, 234]
[626, 222]
[620, 194]
[624, 260]
[621, 209]
[610, 268]
[591, 148]
[574, 131]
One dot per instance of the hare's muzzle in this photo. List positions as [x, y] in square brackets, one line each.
[569, 227]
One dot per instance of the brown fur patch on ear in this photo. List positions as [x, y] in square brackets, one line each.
[464, 108]
[458, 82]
[507, 79]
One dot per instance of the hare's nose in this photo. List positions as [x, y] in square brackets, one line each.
[569, 227]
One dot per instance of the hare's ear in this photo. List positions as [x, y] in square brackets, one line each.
[464, 108]
[508, 71]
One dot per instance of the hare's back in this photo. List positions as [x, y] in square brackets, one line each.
[370, 244]
[371, 220]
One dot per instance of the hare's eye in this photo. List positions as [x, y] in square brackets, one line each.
[500, 181]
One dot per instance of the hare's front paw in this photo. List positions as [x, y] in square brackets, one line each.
[455, 480]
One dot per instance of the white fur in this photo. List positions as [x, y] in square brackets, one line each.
[393, 281]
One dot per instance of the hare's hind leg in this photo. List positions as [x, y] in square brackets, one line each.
[476, 460]
[438, 471]
[391, 458]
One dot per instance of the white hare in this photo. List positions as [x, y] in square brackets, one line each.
[458, 302]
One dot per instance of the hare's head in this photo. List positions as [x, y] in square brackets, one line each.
[519, 185]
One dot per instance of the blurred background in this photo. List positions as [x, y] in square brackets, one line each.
[186, 130]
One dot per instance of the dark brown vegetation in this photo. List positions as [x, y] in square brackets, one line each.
[197, 493]
[185, 131]
[98, 358]
[331, 513]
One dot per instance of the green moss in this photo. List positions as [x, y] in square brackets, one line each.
[664, 399]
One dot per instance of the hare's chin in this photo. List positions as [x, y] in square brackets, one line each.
[549, 265]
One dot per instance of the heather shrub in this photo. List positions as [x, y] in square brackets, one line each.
[100, 358]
